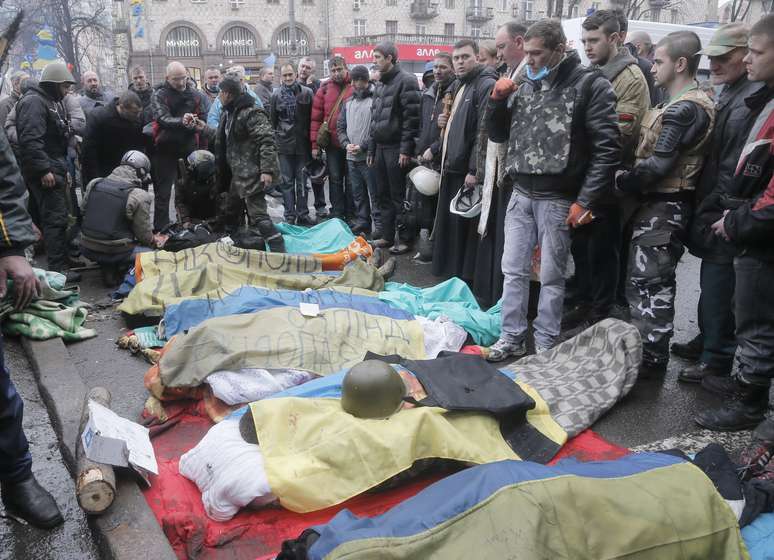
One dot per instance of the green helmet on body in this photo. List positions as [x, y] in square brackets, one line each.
[372, 389]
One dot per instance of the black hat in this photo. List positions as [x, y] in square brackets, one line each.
[359, 72]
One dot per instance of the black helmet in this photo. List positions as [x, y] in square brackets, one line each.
[317, 170]
[201, 165]
[372, 389]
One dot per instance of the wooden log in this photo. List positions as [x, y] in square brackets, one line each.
[95, 485]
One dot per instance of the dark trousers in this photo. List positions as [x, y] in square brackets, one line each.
[165, 174]
[716, 314]
[15, 459]
[52, 211]
[318, 190]
[293, 186]
[391, 186]
[337, 168]
[754, 298]
[596, 252]
[363, 192]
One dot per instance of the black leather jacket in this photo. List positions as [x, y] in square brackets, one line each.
[732, 122]
[292, 135]
[430, 106]
[595, 143]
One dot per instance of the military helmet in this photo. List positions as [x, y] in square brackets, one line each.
[56, 73]
[201, 165]
[372, 389]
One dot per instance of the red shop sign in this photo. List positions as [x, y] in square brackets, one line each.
[364, 54]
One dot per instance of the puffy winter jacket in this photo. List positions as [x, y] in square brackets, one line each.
[594, 143]
[16, 233]
[108, 137]
[42, 133]
[169, 106]
[292, 134]
[90, 101]
[732, 122]
[323, 103]
[396, 111]
[462, 137]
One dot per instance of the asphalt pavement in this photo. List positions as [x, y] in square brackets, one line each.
[19, 541]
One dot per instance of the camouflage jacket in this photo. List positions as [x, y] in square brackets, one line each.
[244, 146]
[562, 133]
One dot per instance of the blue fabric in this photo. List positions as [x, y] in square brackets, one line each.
[759, 537]
[180, 317]
[462, 491]
[213, 116]
[327, 237]
[451, 298]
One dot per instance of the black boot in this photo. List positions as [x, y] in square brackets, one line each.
[743, 409]
[272, 236]
[698, 371]
[690, 350]
[722, 385]
[30, 501]
[652, 370]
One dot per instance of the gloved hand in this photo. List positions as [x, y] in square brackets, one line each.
[578, 216]
[502, 89]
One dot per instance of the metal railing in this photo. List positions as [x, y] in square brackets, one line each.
[479, 13]
[408, 38]
[421, 9]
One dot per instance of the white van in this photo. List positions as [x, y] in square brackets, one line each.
[573, 29]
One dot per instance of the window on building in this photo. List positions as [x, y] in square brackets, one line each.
[475, 31]
[183, 42]
[421, 29]
[448, 29]
[391, 27]
[285, 45]
[391, 2]
[595, 6]
[198, 1]
[238, 41]
[272, 1]
[655, 14]
[307, 2]
[502, 5]
[360, 27]
[356, 4]
[674, 16]
[449, 4]
[526, 10]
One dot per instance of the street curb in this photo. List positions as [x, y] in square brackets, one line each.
[128, 530]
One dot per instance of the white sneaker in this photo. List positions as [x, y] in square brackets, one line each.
[502, 350]
[540, 349]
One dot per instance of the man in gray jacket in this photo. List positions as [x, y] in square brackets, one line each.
[354, 131]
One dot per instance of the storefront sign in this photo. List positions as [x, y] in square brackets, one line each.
[410, 52]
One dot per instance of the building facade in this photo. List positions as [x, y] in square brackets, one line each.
[203, 33]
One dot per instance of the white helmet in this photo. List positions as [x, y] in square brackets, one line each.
[426, 180]
[140, 162]
[467, 202]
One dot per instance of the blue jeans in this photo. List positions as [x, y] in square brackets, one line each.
[337, 167]
[293, 186]
[363, 193]
[528, 223]
[15, 459]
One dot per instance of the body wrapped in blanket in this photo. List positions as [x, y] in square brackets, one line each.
[314, 455]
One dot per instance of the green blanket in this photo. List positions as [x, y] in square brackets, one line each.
[452, 299]
[325, 238]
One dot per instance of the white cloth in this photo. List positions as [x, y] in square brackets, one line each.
[253, 384]
[228, 471]
[441, 334]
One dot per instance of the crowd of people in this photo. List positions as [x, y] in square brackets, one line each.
[505, 162]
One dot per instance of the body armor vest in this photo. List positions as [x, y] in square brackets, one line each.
[105, 213]
[685, 174]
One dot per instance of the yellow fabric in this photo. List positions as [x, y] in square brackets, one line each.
[215, 281]
[316, 455]
[665, 513]
[685, 173]
[153, 263]
[282, 337]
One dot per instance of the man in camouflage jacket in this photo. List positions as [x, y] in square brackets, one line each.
[246, 155]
